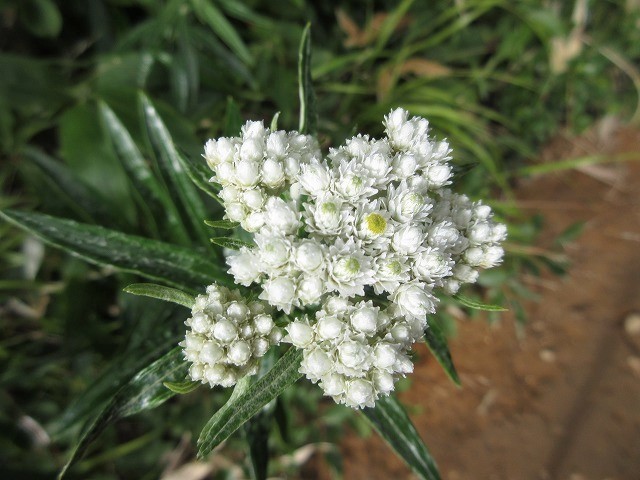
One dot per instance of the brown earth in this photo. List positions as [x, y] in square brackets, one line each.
[560, 398]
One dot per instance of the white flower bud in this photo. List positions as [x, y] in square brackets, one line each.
[412, 300]
[211, 352]
[225, 173]
[385, 354]
[378, 166]
[237, 311]
[260, 347]
[315, 178]
[247, 173]
[498, 233]
[405, 165]
[401, 333]
[272, 173]
[336, 305]
[479, 233]
[253, 222]
[196, 371]
[300, 334]
[193, 342]
[333, 384]
[309, 256]
[482, 212]
[492, 256]
[451, 286]
[239, 353]
[230, 194]
[281, 216]
[251, 150]
[432, 264]
[329, 328]
[263, 324]
[236, 212]
[359, 393]
[274, 251]
[215, 374]
[245, 267]
[253, 129]
[292, 166]
[254, 198]
[474, 256]
[315, 364]
[365, 320]
[395, 119]
[279, 292]
[310, 290]
[224, 331]
[465, 274]
[199, 323]
[408, 239]
[383, 382]
[352, 354]
[277, 144]
[358, 146]
[438, 175]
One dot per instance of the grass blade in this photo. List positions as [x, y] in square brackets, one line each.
[471, 303]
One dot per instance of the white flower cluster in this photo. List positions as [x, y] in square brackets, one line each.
[375, 214]
[227, 335]
[355, 351]
[374, 218]
[255, 168]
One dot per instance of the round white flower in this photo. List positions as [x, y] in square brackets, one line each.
[413, 300]
[281, 216]
[408, 239]
[279, 292]
[245, 267]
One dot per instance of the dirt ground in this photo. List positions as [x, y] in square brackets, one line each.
[561, 399]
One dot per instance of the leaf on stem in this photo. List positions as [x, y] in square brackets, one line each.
[248, 399]
[180, 267]
[471, 303]
[308, 113]
[144, 391]
[223, 224]
[391, 421]
[161, 292]
[437, 343]
[232, 243]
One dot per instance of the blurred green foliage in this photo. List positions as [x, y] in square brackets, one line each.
[497, 77]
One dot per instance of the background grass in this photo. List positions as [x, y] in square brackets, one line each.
[497, 78]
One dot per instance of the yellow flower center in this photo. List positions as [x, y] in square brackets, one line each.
[376, 223]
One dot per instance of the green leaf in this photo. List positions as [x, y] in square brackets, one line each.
[308, 113]
[200, 175]
[180, 267]
[258, 428]
[471, 303]
[172, 168]
[392, 423]
[40, 17]
[161, 292]
[80, 196]
[232, 243]
[274, 122]
[224, 224]
[144, 391]
[141, 176]
[437, 343]
[248, 399]
[207, 13]
[182, 388]
[232, 119]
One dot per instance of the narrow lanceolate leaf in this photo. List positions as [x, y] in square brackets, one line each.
[437, 343]
[207, 13]
[161, 292]
[200, 175]
[177, 266]
[391, 421]
[144, 391]
[152, 193]
[471, 303]
[232, 243]
[224, 224]
[247, 400]
[274, 122]
[180, 185]
[182, 388]
[308, 113]
[81, 197]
